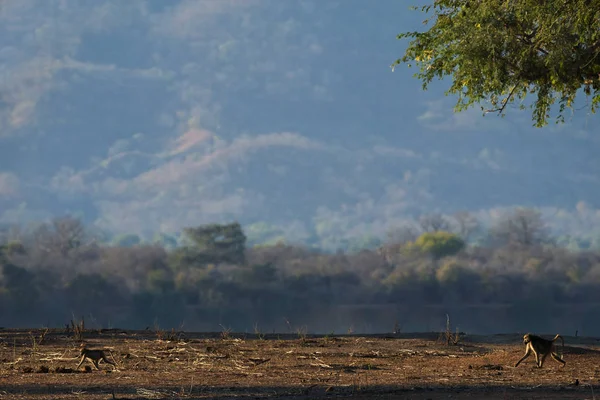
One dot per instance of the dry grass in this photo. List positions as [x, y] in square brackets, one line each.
[295, 365]
[77, 328]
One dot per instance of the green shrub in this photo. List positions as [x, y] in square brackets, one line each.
[439, 244]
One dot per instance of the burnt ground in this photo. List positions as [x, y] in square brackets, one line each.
[155, 365]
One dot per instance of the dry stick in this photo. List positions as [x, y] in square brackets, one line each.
[33, 348]
[527, 388]
[321, 364]
[257, 361]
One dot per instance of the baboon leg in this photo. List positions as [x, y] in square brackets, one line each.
[557, 358]
[81, 362]
[95, 362]
[106, 360]
[527, 353]
[543, 359]
[537, 360]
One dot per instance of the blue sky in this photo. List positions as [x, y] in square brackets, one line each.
[148, 116]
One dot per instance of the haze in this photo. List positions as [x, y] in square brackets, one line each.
[149, 116]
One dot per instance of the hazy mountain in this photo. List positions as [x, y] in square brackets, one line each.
[151, 115]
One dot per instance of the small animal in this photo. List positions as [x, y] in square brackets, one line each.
[95, 356]
[541, 347]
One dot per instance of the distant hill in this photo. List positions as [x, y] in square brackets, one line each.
[143, 117]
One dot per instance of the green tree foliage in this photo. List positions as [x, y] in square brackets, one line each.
[451, 272]
[91, 291]
[262, 233]
[3, 258]
[19, 285]
[165, 240]
[217, 243]
[500, 51]
[159, 281]
[439, 244]
[363, 242]
[15, 248]
[258, 274]
[16, 277]
[144, 285]
[458, 281]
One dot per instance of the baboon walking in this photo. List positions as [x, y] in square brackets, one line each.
[94, 355]
[540, 346]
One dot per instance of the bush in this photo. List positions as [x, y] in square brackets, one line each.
[439, 244]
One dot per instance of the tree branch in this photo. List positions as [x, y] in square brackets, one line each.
[505, 102]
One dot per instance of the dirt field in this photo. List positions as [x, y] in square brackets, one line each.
[194, 365]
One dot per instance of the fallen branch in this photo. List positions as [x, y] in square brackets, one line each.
[321, 364]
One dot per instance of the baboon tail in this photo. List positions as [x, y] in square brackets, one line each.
[562, 340]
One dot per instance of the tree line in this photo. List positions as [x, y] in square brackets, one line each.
[58, 270]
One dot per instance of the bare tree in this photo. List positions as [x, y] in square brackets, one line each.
[402, 234]
[466, 224]
[523, 226]
[60, 236]
[433, 222]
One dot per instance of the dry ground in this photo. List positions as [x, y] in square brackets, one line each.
[194, 365]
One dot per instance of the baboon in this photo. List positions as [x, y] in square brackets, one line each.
[540, 346]
[94, 355]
